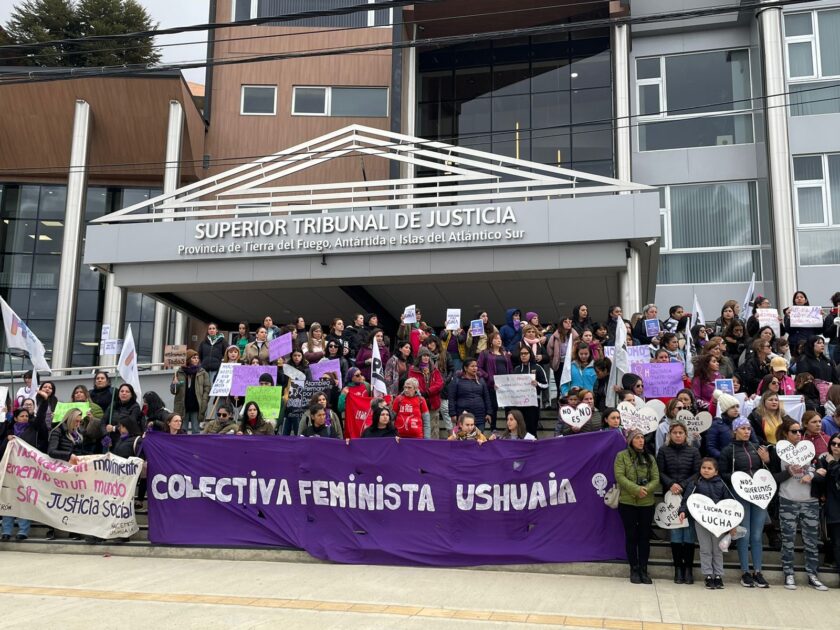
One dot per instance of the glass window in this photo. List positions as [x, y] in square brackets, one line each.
[15, 271]
[819, 247]
[594, 71]
[714, 215]
[647, 68]
[707, 268]
[829, 26]
[550, 76]
[473, 116]
[696, 132]
[508, 111]
[800, 60]
[649, 100]
[310, 100]
[798, 24]
[258, 100]
[511, 79]
[435, 86]
[18, 236]
[807, 99]
[472, 82]
[592, 143]
[592, 106]
[359, 102]
[834, 187]
[551, 109]
[809, 201]
[708, 82]
[807, 167]
[813, 53]
[241, 10]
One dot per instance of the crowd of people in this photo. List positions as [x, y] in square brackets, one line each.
[442, 384]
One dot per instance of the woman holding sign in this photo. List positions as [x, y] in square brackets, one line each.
[26, 428]
[528, 365]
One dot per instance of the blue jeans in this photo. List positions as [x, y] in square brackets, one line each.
[9, 523]
[457, 363]
[754, 518]
[191, 422]
[684, 535]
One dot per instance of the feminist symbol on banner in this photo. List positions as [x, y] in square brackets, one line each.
[758, 489]
[800, 454]
[718, 518]
[667, 514]
[599, 482]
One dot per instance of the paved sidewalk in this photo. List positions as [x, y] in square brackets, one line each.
[83, 591]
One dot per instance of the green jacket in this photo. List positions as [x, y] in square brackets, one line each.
[628, 471]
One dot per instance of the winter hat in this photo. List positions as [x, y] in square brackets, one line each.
[725, 401]
[740, 422]
[632, 433]
[190, 354]
[778, 364]
[530, 315]
[423, 352]
[350, 374]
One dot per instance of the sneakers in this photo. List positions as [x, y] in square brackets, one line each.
[21, 537]
[718, 582]
[814, 582]
[709, 581]
[747, 580]
[5, 537]
[790, 583]
[759, 580]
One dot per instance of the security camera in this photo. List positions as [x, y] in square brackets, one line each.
[651, 242]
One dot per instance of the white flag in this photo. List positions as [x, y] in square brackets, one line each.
[377, 374]
[689, 363]
[19, 336]
[566, 376]
[620, 362]
[746, 309]
[697, 316]
[127, 365]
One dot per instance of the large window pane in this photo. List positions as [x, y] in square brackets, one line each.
[647, 68]
[696, 132]
[800, 60]
[52, 203]
[591, 72]
[592, 143]
[508, 111]
[592, 105]
[310, 101]
[550, 76]
[819, 247]
[649, 100]
[436, 86]
[472, 82]
[18, 236]
[810, 204]
[810, 99]
[551, 109]
[834, 186]
[708, 82]
[709, 268]
[15, 271]
[829, 24]
[798, 24]
[436, 120]
[473, 116]
[807, 168]
[714, 215]
[359, 102]
[258, 99]
[511, 79]
[552, 146]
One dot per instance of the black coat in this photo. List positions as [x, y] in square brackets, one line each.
[211, 354]
[35, 433]
[739, 456]
[103, 397]
[677, 464]
[713, 488]
[751, 373]
[61, 445]
[829, 487]
[126, 447]
[820, 367]
[465, 394]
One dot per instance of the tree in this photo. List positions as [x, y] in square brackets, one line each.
[47, 20]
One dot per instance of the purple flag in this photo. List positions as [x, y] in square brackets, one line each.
[317, 370]
[244, 375]
[662, 380]
[379, 501]
[280, 347]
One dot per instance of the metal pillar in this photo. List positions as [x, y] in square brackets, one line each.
[71, 248]
[174, 133]
[778, 150]
[179, 335]
[113, 313]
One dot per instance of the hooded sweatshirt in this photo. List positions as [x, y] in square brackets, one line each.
[511, 332]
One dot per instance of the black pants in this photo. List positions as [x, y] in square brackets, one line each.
[638, 522]
[532, 419]
[834, 535]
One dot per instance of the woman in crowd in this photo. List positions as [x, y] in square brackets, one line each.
[614, 319]
[531, 338]
[585, 399]
[338, 335]
[469, 392]
[637, 476]
[635, 385]
[317, 425]
[807, 388]
[580, 319]
[493, 361]
[753, 325]
[252, 421]
[299, 362]
[812, 427]
[796, 503]
[364, 357]
[128, 444]
[475, 345]
[396, 369]
[102, 393]
[672, 408]
[611, 420]
[717, 348]
[211, 350]
[528, 365]
[124, 409]
[242, 337]
[741, 455]
[45, 401]
[815, 361]
[728, 314]
[583, 369]
[172, 424]
[556, 348]
[777, 380]
[767, 417]
[27, 429]
[65, 440]
[678, 462]
[719, 434]
[314, 348]
[467, 430]
[831, 420]
[515, 428]
[153, 408]
[191, 388]
[431, 383]
[382, 425]
[334, 353]
[706, 371]
[735, 338]
[412, 411]
[225, 422]
[826, 484]
[756, 367]
[796, 335]
[320, 398]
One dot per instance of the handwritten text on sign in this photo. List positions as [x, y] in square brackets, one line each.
[516, 390]
[94, 497]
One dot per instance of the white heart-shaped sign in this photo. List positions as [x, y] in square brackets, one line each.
[573, 417]
[702, 422]
[685, 415]
[657, 405]
[718, 517]
[800, 454]
[648, 420]
[667, 513]
[758, 489]
[638, 402]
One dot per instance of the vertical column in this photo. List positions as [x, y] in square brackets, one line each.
[410, 102]
[174, 133]
[68, 275]
[778, 149]
[179, 335]
[629, 279]
[113, 313]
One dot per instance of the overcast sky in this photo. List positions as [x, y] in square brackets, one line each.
[168, 13]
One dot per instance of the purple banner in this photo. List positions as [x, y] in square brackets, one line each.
[317, 370]
[280, 347]
[244, 375]
[662, 380]
[378, 501]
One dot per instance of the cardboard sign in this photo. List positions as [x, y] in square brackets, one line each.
[269, 399]
[476, 328]
[410, 314]
[652, 327]
[110, 347]
[62, 408]
[244, 375]
[768, 317]
[718, 518]
[645, 419]
[667, 513]
[662, 380]
[224, 379]
[300, 393]
[658, 406]
[800, 454]
[280, 347]
[453, 318]
[700, 423]
[806, 316]
[758, 489]
[317, 370]
[105, 332]
[174, 356]
[515, 390]
[635, 354]
[726, 385]
[794, 406]
[575, 417]
[293, 373]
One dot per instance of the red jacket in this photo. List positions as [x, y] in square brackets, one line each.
[429, 390]
[410, 412]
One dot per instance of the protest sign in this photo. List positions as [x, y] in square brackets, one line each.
[300, 393]
[645, 420]
[417, 501]
[822, 388]
[768, 317]
[410, 315]
[794, 406]
[268, 399]
[4, 391]
[657, 405]
[718, 518]
[726, 385]
[662, 380]
[576, 417]
[699, 423]
[476, 328]
[224, 379]
[280, 347]
[652, 327]
[293, 373]
[317, 370]
[453, 318]
[94, 497]
[62, 408]
[799, 454]
[667, 513]
[174, 356]
[805, 316]
[515, 390]
[105, 332]
[758, 489]
[110, 346]
[244, 375]
[635, 354]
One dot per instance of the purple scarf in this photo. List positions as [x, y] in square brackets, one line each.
[20, 427]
